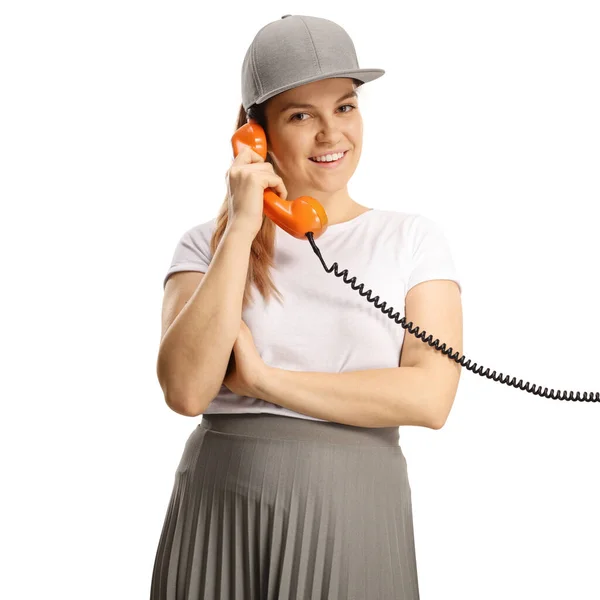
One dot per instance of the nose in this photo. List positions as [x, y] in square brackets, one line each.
[328, 135]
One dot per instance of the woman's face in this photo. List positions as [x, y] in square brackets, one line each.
[296, 133]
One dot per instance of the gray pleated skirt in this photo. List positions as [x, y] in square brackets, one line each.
[270, 507]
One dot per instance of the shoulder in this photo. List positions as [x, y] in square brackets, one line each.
[203, 229]
[392, 219]
[199, 234]
[424, 231]
[410, 226]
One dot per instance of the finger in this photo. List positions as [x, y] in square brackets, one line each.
[279, 187]
[247, 156]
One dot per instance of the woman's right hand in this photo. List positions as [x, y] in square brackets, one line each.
[247, 179]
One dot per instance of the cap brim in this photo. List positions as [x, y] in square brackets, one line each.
[362, 75]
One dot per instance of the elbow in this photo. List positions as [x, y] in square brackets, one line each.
[186, 406]
[189, 406]
[181, 401]
[437, 423]
[181, 407]
[440, 416]
[431, 420]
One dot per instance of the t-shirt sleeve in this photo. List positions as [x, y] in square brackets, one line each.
[192, 252]
[432, 256]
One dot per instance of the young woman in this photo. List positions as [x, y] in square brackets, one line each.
[294, 485]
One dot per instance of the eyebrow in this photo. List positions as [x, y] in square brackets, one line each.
[289, 105]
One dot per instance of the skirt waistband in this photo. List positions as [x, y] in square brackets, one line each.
[267, 425]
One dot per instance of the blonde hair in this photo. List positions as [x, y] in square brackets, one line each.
[262, 249]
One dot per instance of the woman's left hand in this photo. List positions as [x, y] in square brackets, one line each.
[246, 369]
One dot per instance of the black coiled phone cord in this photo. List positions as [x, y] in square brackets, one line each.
[593, 396]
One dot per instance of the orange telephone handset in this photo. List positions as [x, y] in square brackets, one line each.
[296, 217]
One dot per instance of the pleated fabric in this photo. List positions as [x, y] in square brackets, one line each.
[271, 507]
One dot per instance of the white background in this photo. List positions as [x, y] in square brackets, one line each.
[116, 119]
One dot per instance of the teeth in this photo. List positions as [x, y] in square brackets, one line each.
[329, 157]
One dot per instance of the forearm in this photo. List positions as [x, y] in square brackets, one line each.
[372, 398]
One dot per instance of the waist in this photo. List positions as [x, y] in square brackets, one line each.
[270, 426]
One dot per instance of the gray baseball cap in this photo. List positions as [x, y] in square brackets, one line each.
[295, 50]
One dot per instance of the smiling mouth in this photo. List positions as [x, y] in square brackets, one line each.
[329, 162]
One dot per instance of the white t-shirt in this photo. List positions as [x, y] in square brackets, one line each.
[323, 324]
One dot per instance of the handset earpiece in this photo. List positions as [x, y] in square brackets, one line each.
[297, 217]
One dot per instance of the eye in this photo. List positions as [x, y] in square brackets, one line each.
[293, 117]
